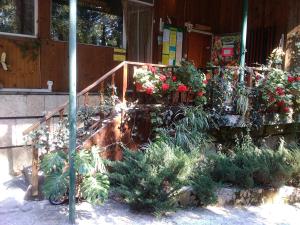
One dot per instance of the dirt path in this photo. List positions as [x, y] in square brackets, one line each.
[15, 211]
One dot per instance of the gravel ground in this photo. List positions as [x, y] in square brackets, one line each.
[15, 211]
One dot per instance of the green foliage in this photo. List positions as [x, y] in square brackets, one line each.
[54, 162]
[148, 179]
[188, 74]
[250, 166]
[204, 187]
[95, 188]
[189, 131]
[95, 25]
[92, 181]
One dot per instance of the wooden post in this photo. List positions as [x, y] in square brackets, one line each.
[61, 114]
[86, 99]
[125, 80]
[102, 93]
[35, 171]
[113, 84]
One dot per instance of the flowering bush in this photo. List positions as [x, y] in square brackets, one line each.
[275, 93]
[147, 78]
[185, 79]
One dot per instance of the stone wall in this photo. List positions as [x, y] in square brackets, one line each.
[18, 112]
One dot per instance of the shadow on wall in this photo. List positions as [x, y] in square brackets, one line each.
[13, 159]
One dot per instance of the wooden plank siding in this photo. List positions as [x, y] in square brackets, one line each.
[51, 62]
[266, 18]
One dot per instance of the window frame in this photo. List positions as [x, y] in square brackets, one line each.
[123, 42]
[35, 35]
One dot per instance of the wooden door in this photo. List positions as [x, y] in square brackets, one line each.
[199, 48]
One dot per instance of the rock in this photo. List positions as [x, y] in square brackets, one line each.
[186, 197]
[226, 196]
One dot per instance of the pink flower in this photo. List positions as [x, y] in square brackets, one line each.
[291, 79]
[205, 82]
[174, 78]
[152, 69]
[163, 78]
[165, 87]
[149, 90]
[182, 88]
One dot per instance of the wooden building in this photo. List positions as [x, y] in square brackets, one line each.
[37, 51]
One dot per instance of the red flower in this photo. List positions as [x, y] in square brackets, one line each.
[165, 87]
[281, 103]
[286, 109]
[138, 86]
[297, 78]
[163, 78]
[291, 79]
[182, 88]
[174, 78]
[271, 98]
[205, 82]
[200, 93]
[149, 90]
[279, 91]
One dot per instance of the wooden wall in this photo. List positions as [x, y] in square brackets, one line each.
[225, 16]
[51, 60]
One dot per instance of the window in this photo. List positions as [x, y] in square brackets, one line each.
[18, 17]
[98, 22]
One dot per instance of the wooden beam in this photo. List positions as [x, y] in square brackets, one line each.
[35, 172]
[125, 80]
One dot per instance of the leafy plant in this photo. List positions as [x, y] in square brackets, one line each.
[189, 130]
[149, 179]
[92, 182]
[204, 187]
[250, 166]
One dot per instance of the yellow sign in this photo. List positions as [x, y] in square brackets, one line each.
[173, 38]
[118, 57]
[119, 50]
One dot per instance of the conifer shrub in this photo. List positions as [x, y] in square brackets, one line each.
[249, 166]
[149, 179]
[204, 187]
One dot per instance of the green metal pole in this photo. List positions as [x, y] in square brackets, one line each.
[72, 106]
[243, 40]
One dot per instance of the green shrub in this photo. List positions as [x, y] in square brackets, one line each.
[150, 178]
[204, 187]
[295, 180]
[250, 166]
